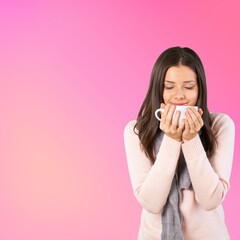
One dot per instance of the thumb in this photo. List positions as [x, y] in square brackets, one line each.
[200, 111]
[181, 125]
[162, 105]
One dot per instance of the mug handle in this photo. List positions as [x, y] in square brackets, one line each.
[156, 113]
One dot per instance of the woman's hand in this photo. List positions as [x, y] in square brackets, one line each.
[169, 125]
[193, 123]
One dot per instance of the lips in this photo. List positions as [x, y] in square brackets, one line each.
[179, 104]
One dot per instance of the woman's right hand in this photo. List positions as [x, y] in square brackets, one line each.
[169, 125]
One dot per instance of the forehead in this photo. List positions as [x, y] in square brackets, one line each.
[180, 73]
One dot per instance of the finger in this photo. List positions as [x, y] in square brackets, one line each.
[200, 111]
[169, 115]
[162, 106]
[190, 122]
[193, 114]
[166, 108]
[186, 127]
[181, 126]
[193, 109]
[196, 117]
[199, 116]
[176, 119]
[165, 113]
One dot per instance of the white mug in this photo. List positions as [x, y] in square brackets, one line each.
[181, 108]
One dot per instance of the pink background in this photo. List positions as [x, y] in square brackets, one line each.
[72, 74]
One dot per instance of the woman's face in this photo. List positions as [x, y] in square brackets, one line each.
[180, 86]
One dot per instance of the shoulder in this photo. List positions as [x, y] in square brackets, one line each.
[129, 128]
[221, 122]
[131, 139]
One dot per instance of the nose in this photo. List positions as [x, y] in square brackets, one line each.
[180, 94]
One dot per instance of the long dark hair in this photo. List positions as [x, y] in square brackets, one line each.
[147, 125]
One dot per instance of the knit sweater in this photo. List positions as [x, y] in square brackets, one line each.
[201, 208]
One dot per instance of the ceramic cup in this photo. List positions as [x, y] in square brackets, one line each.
[181, 108]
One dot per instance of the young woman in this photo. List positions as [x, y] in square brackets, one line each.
[180, 172]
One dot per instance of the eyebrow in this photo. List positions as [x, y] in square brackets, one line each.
[188, 81]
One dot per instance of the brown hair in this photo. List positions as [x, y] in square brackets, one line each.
[147, 125]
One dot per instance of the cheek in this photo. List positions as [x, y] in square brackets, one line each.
[168, 95]
[194, 96]
[165, 97]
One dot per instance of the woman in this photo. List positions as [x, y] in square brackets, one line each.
[180, 172]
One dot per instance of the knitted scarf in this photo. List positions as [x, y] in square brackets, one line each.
[171, 215]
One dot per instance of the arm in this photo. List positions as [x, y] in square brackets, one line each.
[210, 177]
[151, 183]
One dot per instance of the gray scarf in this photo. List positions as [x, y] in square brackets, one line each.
[171, 215]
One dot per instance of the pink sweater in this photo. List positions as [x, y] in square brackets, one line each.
[202, 211]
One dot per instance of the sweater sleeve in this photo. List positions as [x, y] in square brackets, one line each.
[151, 182]
[210, 177]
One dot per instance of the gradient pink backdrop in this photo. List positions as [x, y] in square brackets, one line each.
[73, 73]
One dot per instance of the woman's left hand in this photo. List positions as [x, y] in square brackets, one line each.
[193, 123]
